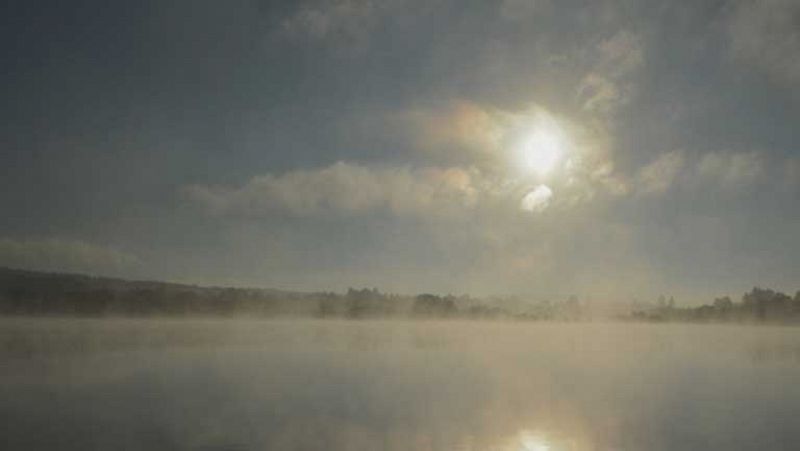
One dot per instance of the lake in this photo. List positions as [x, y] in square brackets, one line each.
[396, 385]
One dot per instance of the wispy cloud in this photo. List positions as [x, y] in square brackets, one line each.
[607, 86]
[658, 176]
[459, 131]
[344, 187]
[731, 168]
[720, 168]
[343, 23]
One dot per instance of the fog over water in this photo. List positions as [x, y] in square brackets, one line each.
[396, 385]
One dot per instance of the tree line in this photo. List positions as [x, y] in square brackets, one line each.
[33, 293]
[757, 305]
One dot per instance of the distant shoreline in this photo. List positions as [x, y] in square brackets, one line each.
[25, 293]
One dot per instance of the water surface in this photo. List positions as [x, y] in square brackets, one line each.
[396, 385]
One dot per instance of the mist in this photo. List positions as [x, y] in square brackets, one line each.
[395, 385]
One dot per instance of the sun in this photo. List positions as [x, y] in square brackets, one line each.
[543, 147]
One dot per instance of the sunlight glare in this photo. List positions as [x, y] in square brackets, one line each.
[544, 148]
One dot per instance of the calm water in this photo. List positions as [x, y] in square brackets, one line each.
[328, 385]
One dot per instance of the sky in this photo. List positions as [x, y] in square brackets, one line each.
[608, 149]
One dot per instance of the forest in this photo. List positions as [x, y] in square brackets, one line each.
[33, 293]
[757, 305]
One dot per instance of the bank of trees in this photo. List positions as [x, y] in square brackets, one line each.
[757, 305]
[34, 293]
[43, 294]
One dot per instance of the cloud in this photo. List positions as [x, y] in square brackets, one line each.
[621, 54]
[607, 86]
[599, 94]
[463, 130]
[537, 200]
[722, 169]
[765, 33]
[346, 23]
[63, 255]
[344, 187]
[731, 168]
[658, 176]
